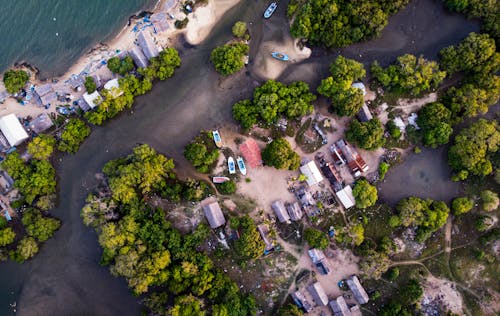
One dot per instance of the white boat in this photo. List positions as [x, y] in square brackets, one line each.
[241, 166]
[270, 10]
[217, 139]
[231, 165]
[220, 179]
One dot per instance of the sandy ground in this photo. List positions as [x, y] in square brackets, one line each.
[409, 106]
[444, 293]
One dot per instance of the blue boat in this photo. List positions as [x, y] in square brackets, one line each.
[270, 10]
[280, 56]
[231, 165]
[241, 166]
[217, 139]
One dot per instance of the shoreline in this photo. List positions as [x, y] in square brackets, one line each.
[201, 23]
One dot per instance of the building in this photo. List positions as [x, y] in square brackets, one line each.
[160, 22]
[319, 259]
[357, 290]
[93, 99]
[332, 175]
[337, 156]
[318, 294]
[264, 234]
[294, 211]
[3, 96]
[354, 160]
[280, 211]
[12, 130]
[41, 123]
[147, 44]
[364, 114]
[139, 58]
[113, 86]
[4, 144]
[305, 197]
[251, 152]
[6, 182]
[301, 301]
[213, 213]
[45, 94]
[346, 197]
[311, 171]
[339, 307]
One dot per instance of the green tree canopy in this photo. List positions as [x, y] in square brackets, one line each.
[90, 85]
[367, 135]
[201, 152]
[14, 80]
[316, 238]
[121, 66]
[461, 205]
[39, 227]
[279, 154]
[7, 236]
[239, 29]
[249, 245]
[228, 187]
[490, 200]
[42, 146]
[364, 193]
[410, 74]
[73, 135]
[26, 249]
[434, 119]
[228, 58]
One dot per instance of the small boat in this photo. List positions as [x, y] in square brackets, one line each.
[280, 56]
[217, 139]
[241, 166]
[220, 179]
[270, 10]
[231, 165]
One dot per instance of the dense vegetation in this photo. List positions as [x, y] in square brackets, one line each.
[435, 121]
[14, 80]
[272, 100]
[472, 148]
[367, 135]
[364, 193]
[409, 75]
[316, 238]
[280, 155]
[239, 29]
[142, 246]
[42, 146]
[346, 100]
[73, 135]
[228, 58]
[249, 245]
[336, 23]
[120, 66]
[90, 85]
[201, 152]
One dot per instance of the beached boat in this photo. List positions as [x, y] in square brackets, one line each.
[241, 166]
[220, 179]
[231, 165]
[280, 56]
[217, 139]
[270, 10]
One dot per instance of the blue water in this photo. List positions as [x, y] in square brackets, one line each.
[28, 29]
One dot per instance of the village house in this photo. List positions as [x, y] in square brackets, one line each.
[6, 182]
[45, 94]
[213, 213]
[301, 301]
[280, 211]
[339, 307]
[332, 175]
[346, 197]
[343, 152]
[160, 22]
[294, 211]
[251, 152]
[147, 44]
[113, 86]
[318, 294]
[312, 173]
[319, 259]
[139, 58]
[91, 100]
[13, 130]
[264, 234]
[41, 123]
[364, 114]
[357, 290]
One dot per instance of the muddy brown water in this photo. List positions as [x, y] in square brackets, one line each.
[65, 278]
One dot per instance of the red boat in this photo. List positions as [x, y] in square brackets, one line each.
[220, 179]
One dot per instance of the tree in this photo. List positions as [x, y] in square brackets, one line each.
[42, 146]
[187, 306]
[7, 236]
[411, 292]
[14, 80]
[364, 193]
[249, 245]
[470, 149]
[201, 152]
[26, 249]
[483, 223]
[316, 238]
[163, 66]
[383, 167]
[90, 85]
[39, 227]
[393, 274]
[239, 29]
[461, 205]
[393, 129]
[279, 154]
[73, 135]
[121, 66]
[227, 187]
[228, 59]
[245, 113]
[409, 75]
[367, 135]
[434, 119]
[490, 200]
[290, 310]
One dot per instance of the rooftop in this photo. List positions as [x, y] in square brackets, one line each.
[251, 152]
[213, 213]
[339, 307]
[41, 123]
[312, 173]
[346, 197]
[357, 290]
[13, 130]
[294, 211]
[280, 211]
[93, 99]
[318, 294]
[147, 44]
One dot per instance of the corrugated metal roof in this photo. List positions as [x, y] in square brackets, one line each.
[312, 173]
[280, 211]
[339, 307]
[318, 294]
[357, 290]
[214, 215]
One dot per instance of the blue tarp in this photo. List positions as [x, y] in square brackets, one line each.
[7, 215]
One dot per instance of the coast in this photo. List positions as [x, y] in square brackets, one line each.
[92, 63]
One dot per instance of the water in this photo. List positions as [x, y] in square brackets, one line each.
[65, 278]
[29, 30]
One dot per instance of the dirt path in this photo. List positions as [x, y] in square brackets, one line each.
[447, 235]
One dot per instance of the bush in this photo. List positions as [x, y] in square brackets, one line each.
[490, 200]
[382, 169]
[73, 135]
[461, 205]
[316, 238]
[228, 59]
[239, 29]
[90, 85]
[279, 154]
[14, 80]
[228, 187]
[393, 274]
[365, 194]
[119, 66]
[367, 135]
[483, 223]
[42, 146]
[393, 129]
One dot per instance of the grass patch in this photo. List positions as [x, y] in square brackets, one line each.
[439, 266]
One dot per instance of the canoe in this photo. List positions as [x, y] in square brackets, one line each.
[280, 56]
[217, 139]
[241, 166]
[220, 179]
[270, 10]
[231, 165]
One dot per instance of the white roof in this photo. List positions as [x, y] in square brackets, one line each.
[91, 98]
[12, 129]
[412, 120]
[113, 83]
[399, 123]
[312, 173]
[346, 198]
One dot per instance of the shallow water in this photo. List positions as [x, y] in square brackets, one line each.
[65, 278]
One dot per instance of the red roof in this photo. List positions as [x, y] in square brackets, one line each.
[251, 152]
